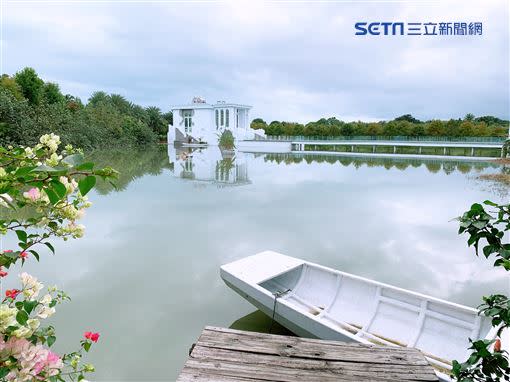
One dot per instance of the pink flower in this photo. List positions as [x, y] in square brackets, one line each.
[23, 255]
[91, 336]
[51, 364]
[2, 272]
[8, 251]
[12, 293]
[33, 194]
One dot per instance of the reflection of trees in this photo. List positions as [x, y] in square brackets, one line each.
[402, 166]
[464, 168]
[432, 165]
[131, 164]
[223, 169]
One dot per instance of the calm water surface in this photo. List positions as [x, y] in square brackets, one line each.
[146, 275]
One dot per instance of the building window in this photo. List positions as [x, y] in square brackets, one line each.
[226, 117]
[216, 118]
[188, 121]
[237, 118]
[222, 118]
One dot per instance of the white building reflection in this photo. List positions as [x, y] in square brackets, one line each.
[209, 165]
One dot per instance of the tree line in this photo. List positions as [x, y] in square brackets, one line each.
[405, 125]
[31, 107]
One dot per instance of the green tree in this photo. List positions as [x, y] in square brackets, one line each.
[156, 121]
[469, 117]
[466, 129]
[31, 85]
[452, 128]
[435, 128]
[98, 98]
[169, 118]
[10, 84]
[487, 361]
[51, 93]
[374, 129]
[408, 118]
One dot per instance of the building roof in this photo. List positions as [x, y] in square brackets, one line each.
[209, 106]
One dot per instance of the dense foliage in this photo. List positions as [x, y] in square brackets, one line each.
[488, 362]
[405, 125]
[226, 140]
[42, 196]
[30, 107]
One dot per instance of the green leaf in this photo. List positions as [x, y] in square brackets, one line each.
[59, 188]
[36, 255]
[23, 170]
[22, 317]
[29, 306]
[74, 160]
[87, 166]
[86, 346]
[22, 235]
[44, 168]
[86, 184]
[54, 199]
[50, 247]
[51, 340]
[4, 371]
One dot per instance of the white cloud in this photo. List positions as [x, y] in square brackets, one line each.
[292, 61]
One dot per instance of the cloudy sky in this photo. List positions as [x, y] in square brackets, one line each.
[291, 60]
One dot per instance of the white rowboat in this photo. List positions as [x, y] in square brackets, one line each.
[319, 302]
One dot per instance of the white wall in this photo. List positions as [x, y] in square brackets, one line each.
[204, 125]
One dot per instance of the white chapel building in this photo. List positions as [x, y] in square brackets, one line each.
[200, 122]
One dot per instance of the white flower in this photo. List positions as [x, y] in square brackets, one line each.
[70, 185]
[2, 172]
[5, 199]
[29, 152]
[31, 287]
[51, 141]
[33, 324]
[7, 317]
[53, 159]
[45, 312]
[46, 300]
[22, 332]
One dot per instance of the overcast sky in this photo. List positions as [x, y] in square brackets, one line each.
[294, 61]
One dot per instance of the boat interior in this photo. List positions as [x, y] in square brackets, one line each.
[381, 314]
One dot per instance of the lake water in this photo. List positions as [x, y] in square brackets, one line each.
[146, 275]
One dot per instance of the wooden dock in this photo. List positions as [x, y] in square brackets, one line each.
[227, 355]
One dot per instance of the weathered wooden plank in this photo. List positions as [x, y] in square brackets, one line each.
[364, 370]
[328, 343]
[226, 355]
[275, 373]
[190, 375]
[305, 348]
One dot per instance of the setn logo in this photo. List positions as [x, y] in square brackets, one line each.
[419, 29]
[379, 28]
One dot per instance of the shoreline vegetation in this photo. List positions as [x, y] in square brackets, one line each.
[31, 107]
[405, 125]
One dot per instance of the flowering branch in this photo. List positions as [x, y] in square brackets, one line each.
[42, 196]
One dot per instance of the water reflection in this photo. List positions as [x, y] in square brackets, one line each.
[131, 163]
[434, 165]
[146, 273]
[257, 321]
[209, 165]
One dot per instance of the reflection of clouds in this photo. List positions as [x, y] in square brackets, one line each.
[446, 263]
[146, 275]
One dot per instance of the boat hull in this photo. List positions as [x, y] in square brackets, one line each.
[251, 278]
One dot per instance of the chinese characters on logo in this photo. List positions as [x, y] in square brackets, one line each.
[419, 29]
[444, 29]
